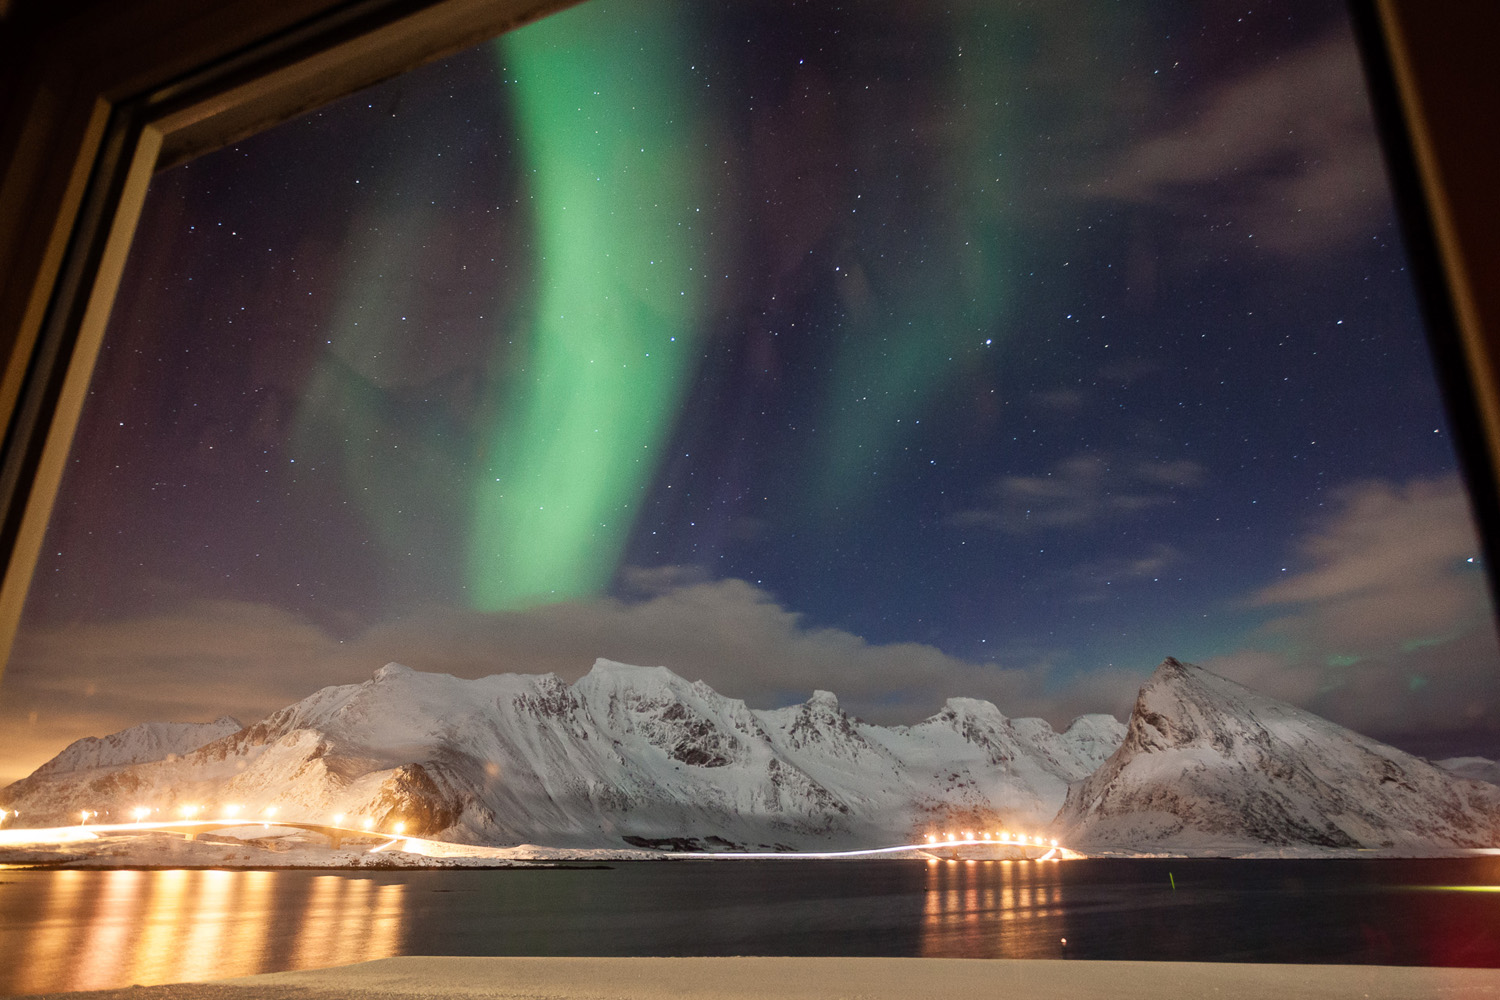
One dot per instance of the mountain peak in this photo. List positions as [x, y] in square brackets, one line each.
[824, 699]
[392, 671]
[1208, 764]
[614, 668]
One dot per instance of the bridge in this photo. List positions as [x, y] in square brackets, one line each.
[954, 847]
[968, 845]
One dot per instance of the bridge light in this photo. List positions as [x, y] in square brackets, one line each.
[83, 817]
[400, 827]
[1054, 843]
[270, 810]
[951, 837]
[231, 811]
[931, 838]
[140, 813]
[338, 819]
[367, 822]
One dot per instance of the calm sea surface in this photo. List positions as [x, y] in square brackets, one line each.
[78, 930]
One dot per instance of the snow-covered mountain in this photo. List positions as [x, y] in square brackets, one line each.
[1208, 765]
[1473, 768]
[147, 742]
[629, 754]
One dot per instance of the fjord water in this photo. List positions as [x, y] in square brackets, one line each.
[77, 930]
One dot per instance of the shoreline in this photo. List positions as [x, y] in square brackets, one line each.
[604, 863]
[753, 978]
[158, 850]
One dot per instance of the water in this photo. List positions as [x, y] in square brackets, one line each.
[76, 930]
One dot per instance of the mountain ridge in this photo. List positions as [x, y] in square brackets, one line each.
[624, 752]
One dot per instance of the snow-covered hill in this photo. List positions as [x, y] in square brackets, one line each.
[1473, 768]
[147, 742]
[625, 755]
[1208, 765]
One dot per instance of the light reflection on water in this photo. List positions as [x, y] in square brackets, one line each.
[993, 909]
[97, 930]
[349, 917]
[78, 930]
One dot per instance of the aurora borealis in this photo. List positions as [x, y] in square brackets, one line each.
[618, 187]
[997, 351]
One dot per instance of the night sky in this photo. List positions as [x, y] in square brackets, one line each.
[1000, 351]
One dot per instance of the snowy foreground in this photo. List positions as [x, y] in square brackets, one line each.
[631, 763]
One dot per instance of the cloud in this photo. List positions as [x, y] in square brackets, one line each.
[209, 659]
[1081, 491]
[1064, 402]
[1394, 564]
[1388, 627]
[1296, 138]
[1095, 581]
[249, 660]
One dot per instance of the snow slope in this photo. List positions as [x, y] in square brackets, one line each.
[1473, 768]
[1208, 765]
[138, 744]
[627, 755]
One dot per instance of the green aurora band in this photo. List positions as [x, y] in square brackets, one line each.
[938, 298]
[611, 135]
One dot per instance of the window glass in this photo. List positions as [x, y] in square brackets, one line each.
[765, 341]
[902, 351]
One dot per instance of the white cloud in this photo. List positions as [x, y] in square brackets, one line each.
[1298, 138]
[1096, 580]
[1393, 565]
[1081, 491]
[1387, 627]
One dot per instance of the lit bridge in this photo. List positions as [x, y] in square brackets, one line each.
[968, 845]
